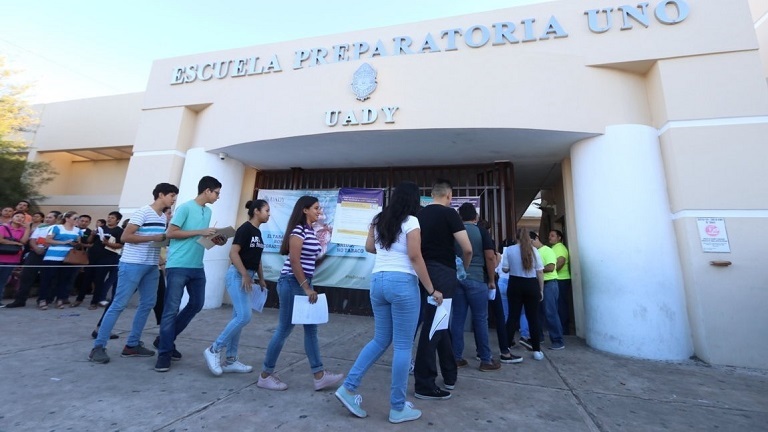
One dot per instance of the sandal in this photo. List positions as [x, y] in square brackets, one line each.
[42, 305]
[59, 304]
[76, 303]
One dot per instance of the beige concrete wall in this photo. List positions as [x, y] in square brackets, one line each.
[110, 121]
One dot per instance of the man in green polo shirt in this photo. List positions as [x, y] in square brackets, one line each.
[548, 306]
[565, 298]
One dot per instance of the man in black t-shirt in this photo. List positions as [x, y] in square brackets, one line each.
[440, 227]
[105, 252]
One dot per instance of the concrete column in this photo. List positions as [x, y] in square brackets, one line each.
[229, 172]
[632, 280]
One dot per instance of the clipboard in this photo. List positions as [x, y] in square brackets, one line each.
[227, 233]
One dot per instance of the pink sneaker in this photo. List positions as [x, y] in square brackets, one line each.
[327, 380]
[271, 382]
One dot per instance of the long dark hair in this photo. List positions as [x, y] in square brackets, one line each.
[297, 218]
[388, 224]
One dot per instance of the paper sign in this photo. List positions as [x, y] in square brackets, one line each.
[258, 297]
[227, 233]
[442, 317]
[306, 313]
[713, 236]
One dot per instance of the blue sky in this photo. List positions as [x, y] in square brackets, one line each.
[85, 48]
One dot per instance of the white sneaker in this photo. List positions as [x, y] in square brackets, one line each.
[538, 355]
[328, 379]
[271, 382]
[236, 367]
[213, 360]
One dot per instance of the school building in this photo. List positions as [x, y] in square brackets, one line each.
[642, 126]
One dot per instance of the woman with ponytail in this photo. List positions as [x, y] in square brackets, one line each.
[526, 287]
[245, 254]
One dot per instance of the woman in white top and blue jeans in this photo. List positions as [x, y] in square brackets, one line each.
[395, 238]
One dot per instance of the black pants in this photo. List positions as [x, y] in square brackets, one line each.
[425, 371]
[28, 275]
[158, 309]
[496, 309]
[524, 292]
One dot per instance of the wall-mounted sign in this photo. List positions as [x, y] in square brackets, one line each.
[599, 21]
[713, 236]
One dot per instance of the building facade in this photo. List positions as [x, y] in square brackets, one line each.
[643, 125]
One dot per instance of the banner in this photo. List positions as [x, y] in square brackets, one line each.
[355, 209]
[341, 264]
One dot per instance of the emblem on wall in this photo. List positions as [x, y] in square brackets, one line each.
[364, 82]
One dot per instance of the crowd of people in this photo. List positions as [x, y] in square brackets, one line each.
[424, 256]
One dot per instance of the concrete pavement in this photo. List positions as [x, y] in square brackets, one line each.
[49, 385]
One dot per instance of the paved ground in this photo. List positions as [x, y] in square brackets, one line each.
[48, 385]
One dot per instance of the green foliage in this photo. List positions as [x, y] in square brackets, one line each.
[20, 179]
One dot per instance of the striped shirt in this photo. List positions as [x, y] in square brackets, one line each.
[310, 249]
[150, 223]
[59, 251]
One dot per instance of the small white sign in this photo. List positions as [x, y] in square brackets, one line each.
[713, 236]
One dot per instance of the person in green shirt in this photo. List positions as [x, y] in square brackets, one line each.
[548, 306]
[565, 299]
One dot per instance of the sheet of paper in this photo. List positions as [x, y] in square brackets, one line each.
[442, 317]
[258, 297]
[491, 295]
[306, 313]
[226, 232]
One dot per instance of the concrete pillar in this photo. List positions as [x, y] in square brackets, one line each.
[632, 280]
[229, 172]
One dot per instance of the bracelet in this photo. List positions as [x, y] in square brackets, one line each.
[432, 293]
[302, 284]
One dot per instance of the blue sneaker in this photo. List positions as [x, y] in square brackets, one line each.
[407, 414]
[351, 401]
[557, 347]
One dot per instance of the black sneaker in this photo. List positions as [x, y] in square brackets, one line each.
[14, 304]
[526, 342]
[510, 358]
[175, 355]
[137, 351]
[163, 363]
[95, 334]
[436, 394]
[98, 355]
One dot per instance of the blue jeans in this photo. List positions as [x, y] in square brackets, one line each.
[471, 294]
[548, 312]
[524, 330]
[133, 277]
[396, 303]
[241, 312]
[173, 321]
[287, 287]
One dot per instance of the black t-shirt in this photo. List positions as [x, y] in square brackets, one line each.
[98, 247]
[438, 223]
[251, 245]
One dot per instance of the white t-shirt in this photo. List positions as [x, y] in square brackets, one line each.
[499, 270]
[512, 260]
[396, 258]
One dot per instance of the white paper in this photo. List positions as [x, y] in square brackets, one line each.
[258, 297]
[226, 232]
[492, 295]
[442, 317]
[306, 313]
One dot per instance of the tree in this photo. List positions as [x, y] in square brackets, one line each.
[20, 178]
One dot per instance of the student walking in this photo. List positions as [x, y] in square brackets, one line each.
[395, 238]
[245, 254]
[303, 248]
[137, 271]
[184, 268]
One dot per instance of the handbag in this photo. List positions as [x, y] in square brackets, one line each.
[9, 249]
[76, 256]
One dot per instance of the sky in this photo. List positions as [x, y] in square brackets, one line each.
[86, 48]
